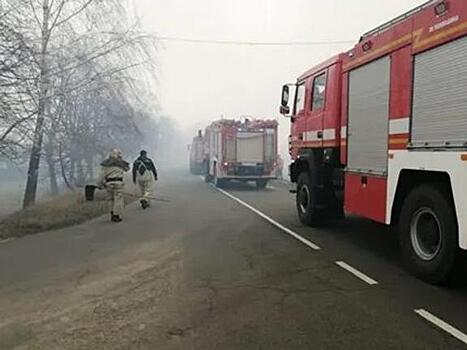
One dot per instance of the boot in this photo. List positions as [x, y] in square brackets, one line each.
[144, 204]
[116, 218]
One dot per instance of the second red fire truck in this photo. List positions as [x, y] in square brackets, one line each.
[380, 131]
[241, 150]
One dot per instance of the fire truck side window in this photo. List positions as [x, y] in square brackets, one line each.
[300, 98]
[319, 92]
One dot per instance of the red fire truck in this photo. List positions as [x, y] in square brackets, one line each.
[241, 150]
[380, 131]
[197, 154]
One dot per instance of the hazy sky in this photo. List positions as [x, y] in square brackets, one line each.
[199, 82]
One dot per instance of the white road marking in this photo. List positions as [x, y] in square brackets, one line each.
[271, 188]
[271, 221]
[356, 273]
[443, 325]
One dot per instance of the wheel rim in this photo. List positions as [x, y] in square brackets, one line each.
[304, 199]
[426, 234]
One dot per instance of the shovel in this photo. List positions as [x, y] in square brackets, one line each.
[153, 198]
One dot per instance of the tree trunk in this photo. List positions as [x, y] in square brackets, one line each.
[35, 158]
[62, 167]
[90, 166]
[80, 177]
[71, 174]
[52, 167]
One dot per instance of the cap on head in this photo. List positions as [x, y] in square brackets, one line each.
[143, 153]
[115, 153]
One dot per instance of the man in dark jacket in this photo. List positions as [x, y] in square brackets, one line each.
[144, 173]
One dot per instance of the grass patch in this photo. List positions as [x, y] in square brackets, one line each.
[62, 211]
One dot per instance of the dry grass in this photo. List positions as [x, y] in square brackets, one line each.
[62, 211]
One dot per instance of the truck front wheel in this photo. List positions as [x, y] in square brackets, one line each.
[308, 212]
[429, 234]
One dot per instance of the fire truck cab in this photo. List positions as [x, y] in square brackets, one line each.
[380, 131]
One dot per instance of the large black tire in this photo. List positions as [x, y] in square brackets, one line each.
[306, 202]
[428, 234]
[219, 183]
[261, 184]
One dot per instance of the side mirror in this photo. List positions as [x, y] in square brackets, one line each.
[285, 109]
[285, 96]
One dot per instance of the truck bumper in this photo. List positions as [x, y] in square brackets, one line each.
[247, 178]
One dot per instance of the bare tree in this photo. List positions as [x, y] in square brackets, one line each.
[75, 80]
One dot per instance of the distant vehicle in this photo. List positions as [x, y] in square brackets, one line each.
[380, 131]
[197, 154]
[243, 151]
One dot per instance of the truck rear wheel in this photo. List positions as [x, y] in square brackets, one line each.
[261, 183]
[219, 182]
[308, 212]
[429, 235]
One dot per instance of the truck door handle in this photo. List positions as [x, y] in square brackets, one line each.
[320, 134]
[364, 180]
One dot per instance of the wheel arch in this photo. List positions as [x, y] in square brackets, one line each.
[306, 162]
[410, 178]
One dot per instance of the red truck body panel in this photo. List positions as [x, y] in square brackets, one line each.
[417, 31]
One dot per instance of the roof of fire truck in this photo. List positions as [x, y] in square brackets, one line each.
[320, 67]
[246, 123]
[357, 49]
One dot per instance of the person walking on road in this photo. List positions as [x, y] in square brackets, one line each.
[112, 179]
[144, 173]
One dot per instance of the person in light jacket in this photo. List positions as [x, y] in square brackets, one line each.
[112, 179]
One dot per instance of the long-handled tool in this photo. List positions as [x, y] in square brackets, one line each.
[152, 198]
[91, 189]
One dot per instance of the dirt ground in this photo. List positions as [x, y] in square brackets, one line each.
[107, 310]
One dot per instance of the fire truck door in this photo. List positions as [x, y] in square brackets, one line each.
[315, 110]
[299, 121]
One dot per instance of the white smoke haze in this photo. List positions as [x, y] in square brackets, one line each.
[199, 82]
[174, 66]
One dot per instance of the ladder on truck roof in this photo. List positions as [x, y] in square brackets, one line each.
[399, 19]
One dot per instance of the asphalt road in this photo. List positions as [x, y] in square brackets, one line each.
[220, 270]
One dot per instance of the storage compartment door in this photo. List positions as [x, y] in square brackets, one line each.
[368, 117]
[270, 146]
[250, 147]
[440, 96]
